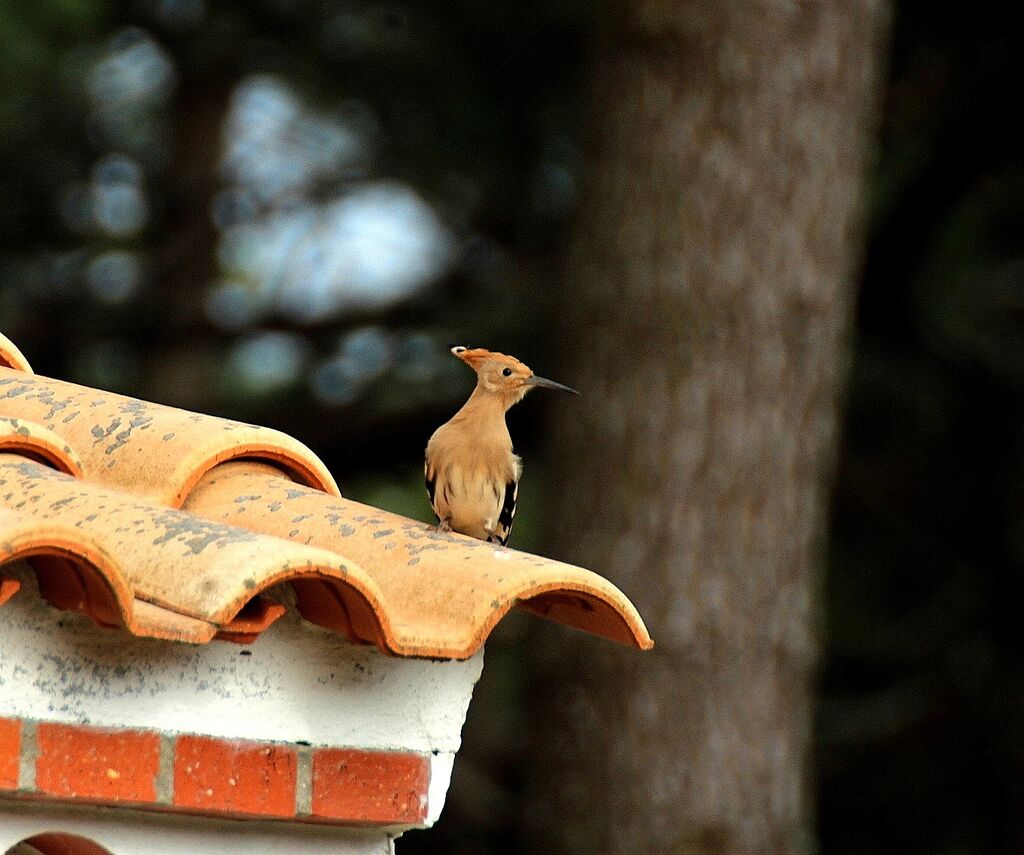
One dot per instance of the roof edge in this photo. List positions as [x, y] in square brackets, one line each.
[73, 572]
[577, 605]
[11, 357]
[38, 443]
[572, 602]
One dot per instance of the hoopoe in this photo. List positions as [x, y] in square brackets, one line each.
[471, 472]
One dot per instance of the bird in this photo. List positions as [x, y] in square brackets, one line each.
[471, 472]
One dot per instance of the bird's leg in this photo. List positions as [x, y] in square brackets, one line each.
[443, 526]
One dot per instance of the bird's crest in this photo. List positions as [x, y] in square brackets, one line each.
[477, 356]
[503, 374]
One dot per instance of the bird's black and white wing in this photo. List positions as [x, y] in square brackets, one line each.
[503, 528]
[507, 514]
[430, 479]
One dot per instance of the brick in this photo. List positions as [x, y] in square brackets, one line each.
[370, 786]
[222, 776]
[10, 752]
[97, 764]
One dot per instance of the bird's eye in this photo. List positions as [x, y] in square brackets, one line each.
[507, 372]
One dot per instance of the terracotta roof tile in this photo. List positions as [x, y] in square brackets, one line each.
[171, 524]
[432, 583]
[11, 357]
[149, 449]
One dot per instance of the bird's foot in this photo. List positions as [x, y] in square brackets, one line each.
[443, 527]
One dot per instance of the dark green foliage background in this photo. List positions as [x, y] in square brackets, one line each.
[919, 743]
[919, 728]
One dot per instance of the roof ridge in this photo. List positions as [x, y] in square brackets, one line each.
[110, 432]
[11, 357]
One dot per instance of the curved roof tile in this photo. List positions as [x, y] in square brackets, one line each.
[444, 592]
[39, 443]
[171, 524]
[151, 450]
[188, 565]
[74, 571]
[11, 357]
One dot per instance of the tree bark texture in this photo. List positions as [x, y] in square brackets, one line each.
[705, 310]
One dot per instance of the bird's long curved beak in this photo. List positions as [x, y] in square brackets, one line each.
[548, 384]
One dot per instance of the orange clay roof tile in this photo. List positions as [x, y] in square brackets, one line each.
[436, 585]
[149, 449]
[172, 524]
[11, 357]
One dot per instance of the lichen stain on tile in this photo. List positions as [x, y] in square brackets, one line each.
[197, 533]
[122, 437]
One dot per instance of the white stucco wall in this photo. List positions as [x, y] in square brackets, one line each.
[297, 683]
[136, 833]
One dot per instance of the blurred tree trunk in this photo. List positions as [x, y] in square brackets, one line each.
[188, 256]
[705, 311]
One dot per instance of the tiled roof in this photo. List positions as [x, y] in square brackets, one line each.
[172, 524]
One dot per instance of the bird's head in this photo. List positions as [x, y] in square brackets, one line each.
[503, 375]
